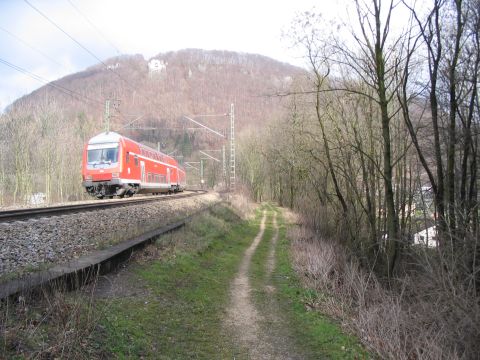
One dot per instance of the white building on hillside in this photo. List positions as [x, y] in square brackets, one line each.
[427, 237]
[156, 66]
[113, 66]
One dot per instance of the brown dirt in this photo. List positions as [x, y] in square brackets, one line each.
[122, 282]
[270, 266]
[260, 332]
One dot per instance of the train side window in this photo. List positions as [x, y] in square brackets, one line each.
[136, 160]
[127, 158]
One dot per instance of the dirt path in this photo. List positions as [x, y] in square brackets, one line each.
[270, 265]
[257, 330]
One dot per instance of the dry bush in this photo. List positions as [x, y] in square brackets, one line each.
[242, 204]
[50, 324]
[320, 218]
[424, 316]
[290, 216]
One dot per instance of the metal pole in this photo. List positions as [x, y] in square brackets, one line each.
[232, 148]
[224, 165]
[107, 115]
[209, 156]
[203, 126]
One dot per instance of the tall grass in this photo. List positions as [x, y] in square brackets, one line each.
[49, 324]
[53, 323]
[425, 315]
[243, 206]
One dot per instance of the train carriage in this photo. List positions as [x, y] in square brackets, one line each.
[114, 165]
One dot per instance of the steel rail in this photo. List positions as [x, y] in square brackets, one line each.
[78, 272]
[30, 213]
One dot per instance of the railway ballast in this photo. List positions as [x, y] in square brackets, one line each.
[34, 245]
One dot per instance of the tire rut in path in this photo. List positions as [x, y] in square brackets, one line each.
[270, 265]
[244, 320]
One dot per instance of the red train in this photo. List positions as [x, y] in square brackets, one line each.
[114, 165]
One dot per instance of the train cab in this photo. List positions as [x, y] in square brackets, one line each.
[114, 165]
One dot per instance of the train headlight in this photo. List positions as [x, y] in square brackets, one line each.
[115, 175]
[88, 177]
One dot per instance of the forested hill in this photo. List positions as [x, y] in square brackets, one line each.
[172, 84]
[54, 122]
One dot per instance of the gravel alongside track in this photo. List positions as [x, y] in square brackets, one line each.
[39, 243]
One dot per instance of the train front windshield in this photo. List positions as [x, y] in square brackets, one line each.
[102, 156]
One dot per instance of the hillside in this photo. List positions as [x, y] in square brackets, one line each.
[169, 85]
[42, 134]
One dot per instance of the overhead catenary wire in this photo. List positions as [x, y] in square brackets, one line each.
[75, 41]
[39, 78]
[95, 27]
[84, 48]
[33, 48]
[64, 32]
[61, 88]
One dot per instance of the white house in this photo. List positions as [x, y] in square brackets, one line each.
[156, 66]
[37, 199]
[113, 66]
[427, 237]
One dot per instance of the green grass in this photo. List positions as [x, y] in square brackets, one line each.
[311, 333]
[257, 268]
[189, 292]
[182, 317]
[317, 334]
[178, 308]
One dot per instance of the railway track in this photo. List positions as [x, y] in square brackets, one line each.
[70, 272]
[31, 213]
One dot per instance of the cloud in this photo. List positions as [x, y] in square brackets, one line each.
[147, 27]
[15, 84]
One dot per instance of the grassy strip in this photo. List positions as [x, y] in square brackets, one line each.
[259, 258]
[318, 335]
[177, 308]
[188, 292]
[310, 333]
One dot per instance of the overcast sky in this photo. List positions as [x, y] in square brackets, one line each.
[140, 26]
